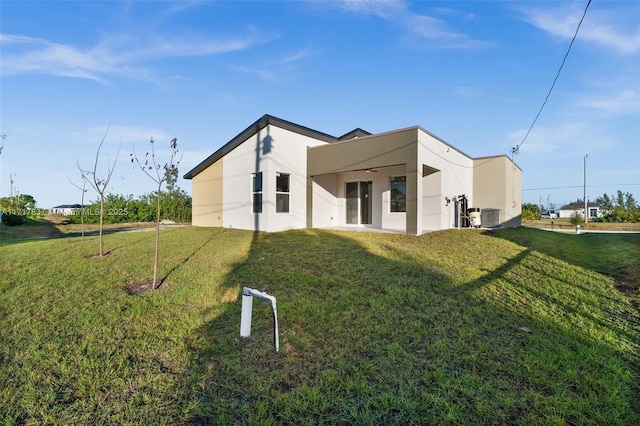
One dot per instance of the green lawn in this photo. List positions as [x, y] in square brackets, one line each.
[374, 329]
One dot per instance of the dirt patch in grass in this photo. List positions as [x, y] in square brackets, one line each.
[97, 255]
[624, 282]
[145, 286]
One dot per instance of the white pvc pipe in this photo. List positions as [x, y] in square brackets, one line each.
[245, 319]
[247, 308]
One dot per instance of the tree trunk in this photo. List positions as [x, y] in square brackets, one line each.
[101, 221]
[155, 261]
[82, 214]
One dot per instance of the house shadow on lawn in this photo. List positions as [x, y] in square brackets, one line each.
[372, 339]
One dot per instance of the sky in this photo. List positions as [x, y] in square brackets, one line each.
[474, 73]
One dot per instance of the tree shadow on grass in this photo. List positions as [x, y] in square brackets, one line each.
[371, 339]
[10, 235]
[47, 229]
[586, 250]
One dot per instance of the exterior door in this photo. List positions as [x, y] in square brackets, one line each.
[359, 203]
[352, 203]
[365, 203]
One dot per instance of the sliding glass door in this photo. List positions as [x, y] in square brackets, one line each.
[359, 203]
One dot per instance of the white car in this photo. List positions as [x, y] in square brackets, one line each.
[549, 214]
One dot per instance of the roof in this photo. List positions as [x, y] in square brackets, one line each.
[254, 128]
[67, 206]
[267, 120]
[355, 133]
[576, 205]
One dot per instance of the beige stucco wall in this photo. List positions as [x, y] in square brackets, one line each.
[349, 160]
[497, 184]
[397, 153]
[207, 196]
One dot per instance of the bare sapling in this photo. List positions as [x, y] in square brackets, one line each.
[100, 184]
[84, 191]
[159, 173]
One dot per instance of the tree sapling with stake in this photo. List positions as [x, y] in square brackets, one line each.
[159, 173]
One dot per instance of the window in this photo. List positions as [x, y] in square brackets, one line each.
[282, 193]
[257, 192]
[398, 198]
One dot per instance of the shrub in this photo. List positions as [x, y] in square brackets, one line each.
[530, 212]
[576, 219]
[12, 219]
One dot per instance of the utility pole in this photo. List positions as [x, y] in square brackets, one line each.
[11, 176]
[586, 212]
[3, 136]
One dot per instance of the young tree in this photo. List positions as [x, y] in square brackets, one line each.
[100, 184]
[84, 191]
[530, 212]
[159, 173]
[619, 208]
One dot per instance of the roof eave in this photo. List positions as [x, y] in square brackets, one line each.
[254, 128]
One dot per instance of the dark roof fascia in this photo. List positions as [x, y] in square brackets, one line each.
[254, 128]
[355, 133]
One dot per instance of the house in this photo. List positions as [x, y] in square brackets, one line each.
[277, 175]
[578, 209]
[65, 209]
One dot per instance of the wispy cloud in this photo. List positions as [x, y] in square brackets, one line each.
[296, 56]
[563, 139]
[625, 101]
[122, 56]
[261, 73]
[120, 134]
[601, 28]
[421, 30]
[466, 91]
[274, 69]
[386, 9]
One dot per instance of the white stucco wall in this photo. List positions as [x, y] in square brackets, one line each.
[449, 173]
[325, 201]
[454, 177]
[396, 221]
[270, 151]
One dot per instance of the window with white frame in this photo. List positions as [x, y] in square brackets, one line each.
[257, 192]
[282, 192]
[398, 194]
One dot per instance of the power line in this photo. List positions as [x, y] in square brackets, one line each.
[580, 186]
[517, 147]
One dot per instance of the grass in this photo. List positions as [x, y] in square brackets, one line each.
[374, 329]
[564, 224]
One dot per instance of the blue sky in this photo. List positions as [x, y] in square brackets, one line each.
[473, 73]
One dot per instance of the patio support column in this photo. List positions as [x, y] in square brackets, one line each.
[414, 200]
[309, 202]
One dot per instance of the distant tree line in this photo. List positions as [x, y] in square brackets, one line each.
[621, 208]
[176, 206]
[20, 209]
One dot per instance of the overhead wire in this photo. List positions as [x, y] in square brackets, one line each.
[575, 35]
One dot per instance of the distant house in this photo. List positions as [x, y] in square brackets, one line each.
[65, 209]
[578, 209]
[277, 175]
